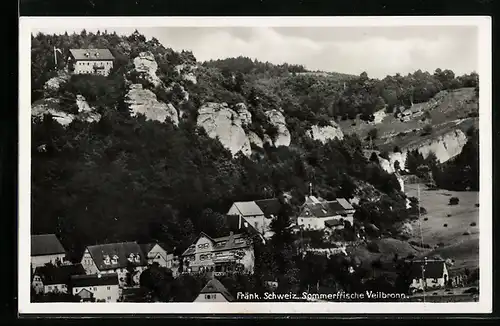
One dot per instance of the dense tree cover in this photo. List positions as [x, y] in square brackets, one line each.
[126, 178]
[243, 65]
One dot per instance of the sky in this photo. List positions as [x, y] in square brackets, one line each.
[379, 51]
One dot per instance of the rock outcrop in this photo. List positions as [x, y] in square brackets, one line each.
[243, 113]
[145, 64]
[446, 146]
[379, 116]
[52, 106]
[255, 139]
[219, 121]
[54, 83]
[186, 72]
[283, 137]
[325, 133]
[144, 101]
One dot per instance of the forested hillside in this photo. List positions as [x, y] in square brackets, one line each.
[124, 175]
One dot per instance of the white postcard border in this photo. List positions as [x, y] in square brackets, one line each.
[484, 305]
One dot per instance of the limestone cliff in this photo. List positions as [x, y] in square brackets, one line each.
[325, 133]
[144, 101]
[283, 137]
[145, 64]
[220, 121]
[53, 107]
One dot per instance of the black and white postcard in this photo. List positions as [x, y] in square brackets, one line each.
[255, 165]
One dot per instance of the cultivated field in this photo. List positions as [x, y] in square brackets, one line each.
[451, 241]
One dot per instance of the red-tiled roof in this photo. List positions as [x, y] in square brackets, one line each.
[215, 286]
[121, 250]
[93, 54]
[46, 244]
[94, 280]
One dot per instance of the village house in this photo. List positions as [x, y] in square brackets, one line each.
[91, 61]
[155, 253]
[98, 287]
[214, 291]
[315, 212]
[258, 213]
[45, 249]
[433, 275]
[220, 256]
[237, 224]
[50, 278]
[116, 258]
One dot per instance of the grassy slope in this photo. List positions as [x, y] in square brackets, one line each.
[464, 249]
[448, 112]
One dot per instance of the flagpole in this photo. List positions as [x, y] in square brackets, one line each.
[55, 57]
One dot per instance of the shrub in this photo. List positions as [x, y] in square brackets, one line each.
[396, 149]
[454, 201]
[473, 224]
[427, 130]
[373, 133]
[440, 244]
[373, 247]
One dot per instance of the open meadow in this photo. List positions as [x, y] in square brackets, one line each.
[454, 229]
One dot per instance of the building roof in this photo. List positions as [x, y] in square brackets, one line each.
[334, 222]
[94, 280]
[93, 54]
[323, 209]
[46, 244]
[271, 207]
[432, 269]
[215, 286]
[231, 242]
[146, 247]
[58, 274]
[248, 208]
[121, 250]
[236, 223]
[345, 204]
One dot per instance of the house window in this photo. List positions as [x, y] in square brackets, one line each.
[256, 224]
[209, 296]
[109, 298]
[109, 288]
[95, 288]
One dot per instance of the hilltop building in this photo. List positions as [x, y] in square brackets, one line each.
[91, 61]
